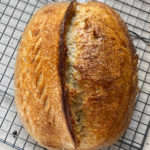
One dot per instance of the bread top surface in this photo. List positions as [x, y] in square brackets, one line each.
[100, 76]
[37, 83]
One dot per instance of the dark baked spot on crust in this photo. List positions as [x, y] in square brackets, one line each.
[35, 32]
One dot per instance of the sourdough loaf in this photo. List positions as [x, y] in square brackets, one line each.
[76, 76]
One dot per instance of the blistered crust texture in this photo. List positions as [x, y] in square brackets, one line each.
[99, 78]
[38, 91]
[101, 75]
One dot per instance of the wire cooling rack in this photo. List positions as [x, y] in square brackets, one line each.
[15, 14]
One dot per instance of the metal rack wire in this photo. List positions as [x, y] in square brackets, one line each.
[15, 14]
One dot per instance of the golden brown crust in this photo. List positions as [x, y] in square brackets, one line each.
[38, 86]
[95, 82]
[104, 75]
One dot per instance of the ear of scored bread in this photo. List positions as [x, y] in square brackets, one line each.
[38, 86]
[76, 76]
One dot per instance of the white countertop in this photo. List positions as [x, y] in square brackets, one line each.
[5, 147]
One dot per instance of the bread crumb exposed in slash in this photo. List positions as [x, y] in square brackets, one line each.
[72, 75]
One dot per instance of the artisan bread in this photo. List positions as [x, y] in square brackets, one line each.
[76, 76]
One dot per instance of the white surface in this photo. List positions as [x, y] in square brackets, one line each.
[5, 147]
[147, 142]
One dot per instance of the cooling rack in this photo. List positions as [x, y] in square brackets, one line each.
[15, 14]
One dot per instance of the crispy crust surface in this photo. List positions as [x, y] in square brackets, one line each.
[90, 105]
[38, 90]
[101, 77]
